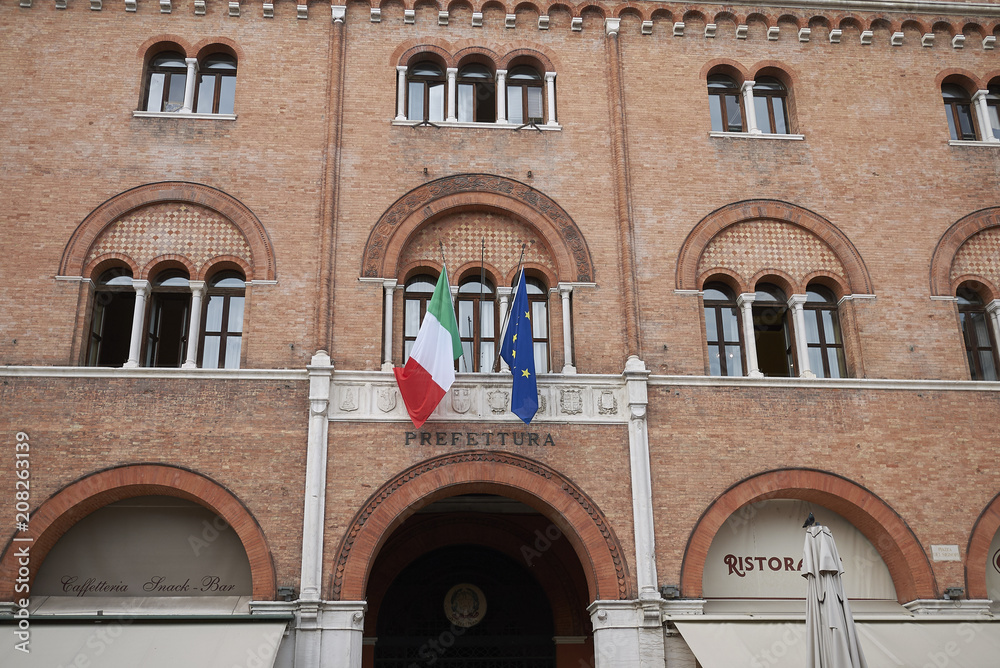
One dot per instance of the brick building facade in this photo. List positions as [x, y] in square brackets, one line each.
[765, 274]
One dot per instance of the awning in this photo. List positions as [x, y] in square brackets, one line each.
[894, 644]
[131, 643]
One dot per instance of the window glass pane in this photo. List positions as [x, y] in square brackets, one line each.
[734, 361]
[981, 329]
[436, 103]
[831, 326]
[465, 97]
[965, 120]
[541, 357]
[486, 319]
[730, 324]
[486, 103]
[407, 347]
[535, 103]
[714, 362]
[415, 101]
[422, 284]
[951, 121]
[994, 120]
[838, 366]
[760, 107]
[780, 118]
[426, 69]
[213, 319]
[465, 319]
[539, 324]
[515, 112]
[206, 93]
[465, 360]
[155, 98]
[175, 96]
[210, 357]
[735, 119]
[227, 96]
[486, 355]
[711, 328]
[816, 362]
[987, 364]
[812, 325]
[235, 314]
[233, 346]
[715, 109]
[412, 318]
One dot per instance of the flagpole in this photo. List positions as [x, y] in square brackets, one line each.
[482, 287]
[506, 319]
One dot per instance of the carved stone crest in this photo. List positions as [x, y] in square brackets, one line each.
[607, 404]
[349, 399]
[461, 399]
[385, 398]
[498, 400]
[465, 605]
[571, 401]
[541, 404]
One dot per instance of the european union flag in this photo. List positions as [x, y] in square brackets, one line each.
[518, 351]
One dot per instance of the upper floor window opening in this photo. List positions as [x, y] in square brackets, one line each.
[993, 109]
[824, 342]
[167, 322]
[478, 326]
[770, 104]
[772, 332]
[216, 85]
[723, 331]
[525, 96]
[166, 81]
[476, 94]
[425, 92]
[222, 332]
[980, 344]
[958, 109]
[538, 302]
[416, 296]
[111, 318]
[724, 104]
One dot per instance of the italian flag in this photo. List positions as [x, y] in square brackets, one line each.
[430, 370]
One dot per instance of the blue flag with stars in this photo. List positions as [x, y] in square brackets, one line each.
[518, 351]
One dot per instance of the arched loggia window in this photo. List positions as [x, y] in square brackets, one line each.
[477, 325]
[167, 325]
[111, 318]
[525, 96]
[772, 332]
[477, 101]
[958, 109]
[770, 104]
[416, 296]
[538, 301]
[723, 331]
[980, 347]
[166, 76]
[425, 92]
[724, 104]
[222, 328]
[216, 85]
[823, 338]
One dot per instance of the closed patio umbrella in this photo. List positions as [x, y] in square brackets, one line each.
[830, 634]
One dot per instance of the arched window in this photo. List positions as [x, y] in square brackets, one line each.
[417, 295]
[538, 302]
[167, 325]
[477, 325]
[477, 101]
[958, 109]
[216, 85]
[980, 347]
[723, 331]
[724, 104]
[111, 319]
[823, 339]
[166, 76]
[222, 329]
[426, 92]
[993, 109]
[525, 95]
[772, 331]
[769, 99]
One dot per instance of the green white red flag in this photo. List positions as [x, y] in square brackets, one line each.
[430, 369]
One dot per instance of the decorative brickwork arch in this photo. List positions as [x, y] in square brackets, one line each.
[770, 212]
[977, 554]
[452, 194]
[57, 514]
[224, 209]
[897, 545]
[949, 247]
[483, 472]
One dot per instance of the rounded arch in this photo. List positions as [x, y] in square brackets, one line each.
[103, 262]
[432, 200]
[726, 66]
[897, 545]
[504, 474]
[74, 257]
[169, 261]
[951, 241]
[165, 42]
[749, 210]
[57, 514]
[213, 45]
[969, 81]
[526, 55]
[977, 553]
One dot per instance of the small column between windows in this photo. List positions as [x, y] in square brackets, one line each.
[983, 116]
[796, 302]
[197, 293]
[993, 308]
[550, 90]
[504, 294]
[389, 286]
[748, 107]
[565, 291]
[192, 73]
[142, 290]
[745, 302]
[501, 96]
[452, 73]
[401, 92]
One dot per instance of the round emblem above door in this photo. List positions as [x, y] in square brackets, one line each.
[465, 605]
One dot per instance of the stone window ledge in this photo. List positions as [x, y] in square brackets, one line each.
[181, 114]
[960, 142]
[754, 135]
[483, 126]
